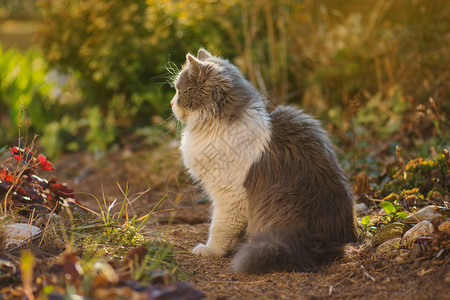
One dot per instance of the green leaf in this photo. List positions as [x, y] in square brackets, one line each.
[365, 221]
[388, 207]
[401, 215]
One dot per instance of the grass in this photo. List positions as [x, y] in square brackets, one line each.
[81, 250]
[96, 244]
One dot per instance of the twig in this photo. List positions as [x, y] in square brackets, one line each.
[438, 117]
[46, 225]
[365, 273]
[25, 242]
[437, 185]
[447, 159]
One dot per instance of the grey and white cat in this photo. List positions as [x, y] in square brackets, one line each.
[280, 200]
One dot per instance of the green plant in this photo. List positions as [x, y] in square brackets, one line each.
[392, 212]
[156, 258]
[112, 45]
[367, 229]
[365, 222]
[24, 83]
[122, 227]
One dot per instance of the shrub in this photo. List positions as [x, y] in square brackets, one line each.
[321, 54]
[119, 50]
[24, 82]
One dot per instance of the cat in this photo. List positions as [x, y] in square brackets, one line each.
[280, 200]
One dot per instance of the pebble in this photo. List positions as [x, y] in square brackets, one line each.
[18, 234]
[423, 228]
[426, 213]
[389, 245]
[415, 252]
[361, 209]
[404, 253]
[445, 227]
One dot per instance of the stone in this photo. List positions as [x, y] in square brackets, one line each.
[445, 227]
[18, 234]
[404, 253]
[389, 245]
[399, 260]
[415, 252]
[361, 209]
[423, 228]
[382, 212]
[426, 213]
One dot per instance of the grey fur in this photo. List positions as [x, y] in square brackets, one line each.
[215, 87]
[300, 210]
[300, 206]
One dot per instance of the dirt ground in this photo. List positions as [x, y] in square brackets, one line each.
[361, 274]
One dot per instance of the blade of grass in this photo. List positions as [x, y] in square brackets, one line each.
[125, 199]
[91, 226]
[151, 212]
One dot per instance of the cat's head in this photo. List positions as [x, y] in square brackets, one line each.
[209, 88]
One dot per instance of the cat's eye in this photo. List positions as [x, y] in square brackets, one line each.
[179, 92]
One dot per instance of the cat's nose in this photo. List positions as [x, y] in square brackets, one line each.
[171, 103]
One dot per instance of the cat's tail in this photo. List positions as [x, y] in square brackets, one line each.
[278, 250]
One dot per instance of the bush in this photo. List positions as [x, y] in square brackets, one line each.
[24, 83]
[108, 43]
[320, 54]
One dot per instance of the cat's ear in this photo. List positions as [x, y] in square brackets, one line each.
[194, 62]
[203, 54]
[197, 70]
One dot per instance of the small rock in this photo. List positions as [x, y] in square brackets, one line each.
[415, 252]
[17, 234]
[426, 213]
[361, 209]
[398, 260]
[382, 212]
[423, 228]
[59, 243]
[388, 232]
[404, 253]
[389, 245]
[445, 227]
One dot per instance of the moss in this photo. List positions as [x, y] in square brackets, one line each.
[388, 232]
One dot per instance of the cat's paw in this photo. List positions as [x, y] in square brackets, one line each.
[203, 250]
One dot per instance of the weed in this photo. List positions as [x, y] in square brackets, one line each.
[365, 222]
[392, 212]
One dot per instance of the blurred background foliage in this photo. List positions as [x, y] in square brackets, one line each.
[96, 73]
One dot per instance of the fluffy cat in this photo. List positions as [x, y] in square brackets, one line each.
[280, 200]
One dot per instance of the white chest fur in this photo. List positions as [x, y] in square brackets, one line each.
[220, 156]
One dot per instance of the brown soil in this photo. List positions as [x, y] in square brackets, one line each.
[361, 274]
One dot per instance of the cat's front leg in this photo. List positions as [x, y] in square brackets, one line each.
[227, 226]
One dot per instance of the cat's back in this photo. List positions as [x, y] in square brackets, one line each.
[289, 122]
[302, 180]
[298, 134]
